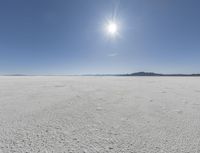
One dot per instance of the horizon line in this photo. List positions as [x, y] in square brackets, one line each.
[141, 73]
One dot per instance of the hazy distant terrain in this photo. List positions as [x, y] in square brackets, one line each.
[148, 74]
[99, 114]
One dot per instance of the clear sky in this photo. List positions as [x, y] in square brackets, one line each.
[69, 37]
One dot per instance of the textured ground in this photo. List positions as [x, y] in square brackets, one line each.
[99, 115]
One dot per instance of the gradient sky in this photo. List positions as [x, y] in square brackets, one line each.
[68, 36]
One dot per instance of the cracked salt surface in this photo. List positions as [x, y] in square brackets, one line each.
[99, 114]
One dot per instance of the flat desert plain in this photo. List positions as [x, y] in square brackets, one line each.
[81, 114]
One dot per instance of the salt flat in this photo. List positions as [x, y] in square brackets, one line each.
[48, 114]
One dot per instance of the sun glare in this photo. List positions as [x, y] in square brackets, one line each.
[112, 28]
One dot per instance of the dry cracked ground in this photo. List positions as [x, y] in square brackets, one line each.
[72, 114]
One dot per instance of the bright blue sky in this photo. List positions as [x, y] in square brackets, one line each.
[68, 37]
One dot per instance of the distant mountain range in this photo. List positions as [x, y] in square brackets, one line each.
[156, 74]
[16, 75]
[128, 74]
[145, 74]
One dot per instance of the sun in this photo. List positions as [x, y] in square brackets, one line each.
[112, 28]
